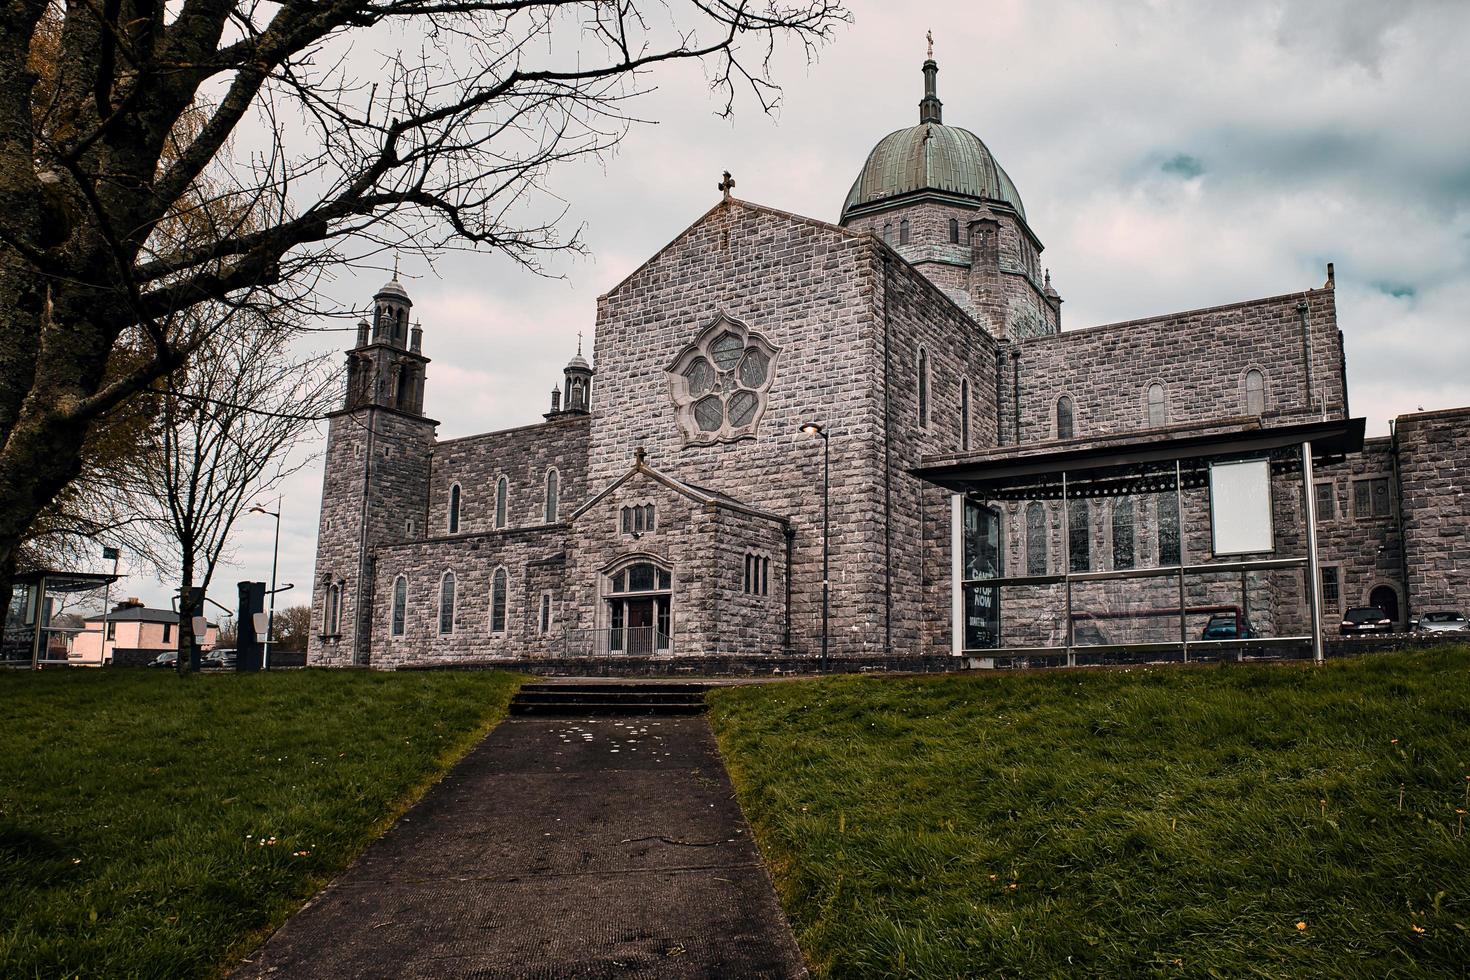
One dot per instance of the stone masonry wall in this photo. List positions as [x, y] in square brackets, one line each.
[523, 456]
[811, 290]
[1365, 550]
[1200, 357]
[388, 452]
[1434, 462]
[532, 558]
[683, 541]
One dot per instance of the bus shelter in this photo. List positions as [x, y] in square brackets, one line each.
[1182, 543]
[47, 610]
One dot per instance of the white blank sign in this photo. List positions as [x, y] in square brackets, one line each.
[1240, 507]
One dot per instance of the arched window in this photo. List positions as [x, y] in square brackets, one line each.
[400, 605]
[553, 493]
[1168, 529]
[1064, 417]
[1079, 536]
[888, 232]
[1255, 392]
[923, 388]
[498, 585]
[334, 610]
[454, 495]
[1123, 533]
[502, 495]
[954, 231]
[903, 232]
[1158, 409]
[1035, 538]
[446, 604]
[964, 415]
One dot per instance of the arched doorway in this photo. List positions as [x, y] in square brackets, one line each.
[1386, 597]
[640, 615]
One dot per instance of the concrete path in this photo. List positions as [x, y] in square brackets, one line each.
[556, 848]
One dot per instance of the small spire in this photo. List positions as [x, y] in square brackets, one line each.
[579, 343]
[395, 265]
[931, 110]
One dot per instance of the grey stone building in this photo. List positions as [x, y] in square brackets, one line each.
[668, 504]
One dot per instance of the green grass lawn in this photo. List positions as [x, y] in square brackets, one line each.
[133, 805]
[1226, 821]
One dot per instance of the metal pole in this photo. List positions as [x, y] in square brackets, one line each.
[1067, 567]
[1314, 571]
[270, 617]
[1183, 605]
[106, 606]
[826, 546]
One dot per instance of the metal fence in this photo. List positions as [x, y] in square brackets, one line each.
[632, 641]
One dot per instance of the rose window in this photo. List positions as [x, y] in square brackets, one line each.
[720, 381]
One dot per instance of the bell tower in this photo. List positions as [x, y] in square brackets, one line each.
[577, 377]
[375, 484]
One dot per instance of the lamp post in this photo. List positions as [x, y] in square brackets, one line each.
[270, 619]
[814, 429]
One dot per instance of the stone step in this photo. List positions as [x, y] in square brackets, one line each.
[613, 697]
[583, 709]
[617, 686]
[591, 697]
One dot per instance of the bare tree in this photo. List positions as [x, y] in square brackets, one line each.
[227, 425]
[223, 154]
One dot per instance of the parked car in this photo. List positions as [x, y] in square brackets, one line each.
[1442, 622]
[1361, 620]
[168, 658]
[1223, 626]
[224, 659]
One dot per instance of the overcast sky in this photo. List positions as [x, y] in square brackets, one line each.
[1171, 155]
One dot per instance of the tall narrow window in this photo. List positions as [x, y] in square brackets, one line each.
[544, 620]
[400, 605]
[1158, 410]
[903, 232]
[1326, 501]
[1079, 536]
[1064, 417]
[502, 494]
[446, 604]
[454, 494]
[498, 583]
[1123, 533]
[923, 388]
[964, 415]
[1331, 591]
[1168, 529]
[334, 610]
[1035, 538]
[954, 231]
[888, 232]
[553, 493]
[1255, 392]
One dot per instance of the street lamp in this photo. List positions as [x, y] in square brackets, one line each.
[270, 619]
[814, 429]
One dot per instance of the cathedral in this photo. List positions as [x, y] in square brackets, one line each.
[732, 473]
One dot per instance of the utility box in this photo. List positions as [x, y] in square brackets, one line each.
[249, 644]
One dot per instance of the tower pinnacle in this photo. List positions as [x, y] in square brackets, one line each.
[931, 109]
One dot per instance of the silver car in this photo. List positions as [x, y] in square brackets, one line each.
[1442, 622]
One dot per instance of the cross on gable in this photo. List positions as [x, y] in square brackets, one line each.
[726, 185]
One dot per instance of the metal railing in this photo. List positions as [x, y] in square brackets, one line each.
[631, 641]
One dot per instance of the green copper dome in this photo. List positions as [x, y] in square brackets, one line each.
[931, 157]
